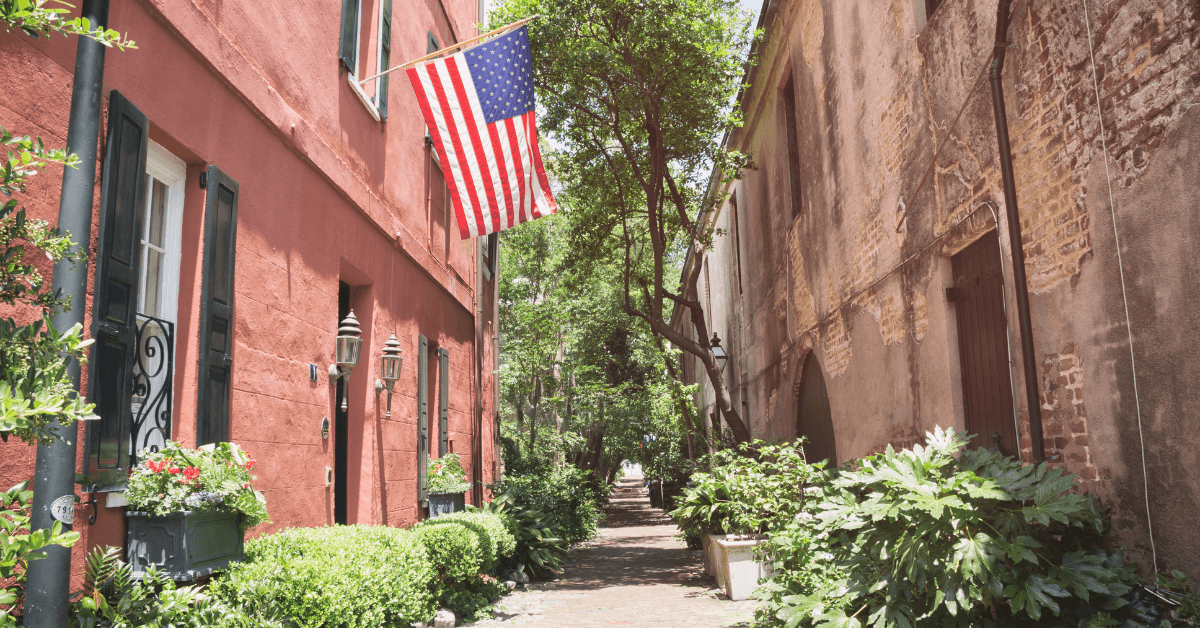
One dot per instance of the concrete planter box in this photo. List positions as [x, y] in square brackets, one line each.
[446, 503]
[737, 570]
[183, 546]
[708, 543]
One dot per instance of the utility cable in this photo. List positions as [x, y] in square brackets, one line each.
[1124, 297]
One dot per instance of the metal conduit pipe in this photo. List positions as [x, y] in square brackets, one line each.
[48, 584]
[1014, 232]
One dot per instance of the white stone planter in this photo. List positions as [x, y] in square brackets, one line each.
[737, 570]
[709, 544]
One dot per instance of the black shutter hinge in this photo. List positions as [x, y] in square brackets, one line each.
[203, 180]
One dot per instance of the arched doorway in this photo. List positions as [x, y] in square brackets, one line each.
[813, 417]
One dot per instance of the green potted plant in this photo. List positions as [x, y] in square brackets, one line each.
[735, 505]
[445, 484]
[189, 510]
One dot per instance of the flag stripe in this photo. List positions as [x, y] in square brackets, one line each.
[530, 204]
[545, 200]
[419, 77]
[452, 113]
[481, 153]
[505, 219]
[510, 129]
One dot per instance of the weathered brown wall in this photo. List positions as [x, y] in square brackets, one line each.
[877, 90]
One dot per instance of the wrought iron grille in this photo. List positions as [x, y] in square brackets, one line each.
[153, 385]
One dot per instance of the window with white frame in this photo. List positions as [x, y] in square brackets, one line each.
[161, 224]
[365, 50]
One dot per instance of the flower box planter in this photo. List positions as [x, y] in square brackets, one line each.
[738, 572]
[446, 503]
[184, 546]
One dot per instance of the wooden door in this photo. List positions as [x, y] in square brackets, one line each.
[978, 298]
[814, 418]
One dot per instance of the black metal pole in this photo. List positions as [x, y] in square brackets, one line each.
[1014, 234]
[49, 579]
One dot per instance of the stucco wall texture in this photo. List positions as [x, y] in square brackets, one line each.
[858, 277]
[327, 194]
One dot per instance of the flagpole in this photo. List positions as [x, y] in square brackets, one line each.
[448, 48]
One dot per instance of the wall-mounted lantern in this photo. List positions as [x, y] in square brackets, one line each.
[345, 352]
[389, 369]
[718, 352]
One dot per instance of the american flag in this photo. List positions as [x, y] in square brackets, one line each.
[478, 105]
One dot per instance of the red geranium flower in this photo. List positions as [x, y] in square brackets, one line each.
[246, 485]
[191, 473]
[173, 470]
[156, 467]
[250, 464]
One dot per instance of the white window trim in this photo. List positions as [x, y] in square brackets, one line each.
[172, 171]
[352, 75]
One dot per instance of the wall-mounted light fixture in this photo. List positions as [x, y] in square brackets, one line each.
[718, 352]
[345, 352]
[390, 362]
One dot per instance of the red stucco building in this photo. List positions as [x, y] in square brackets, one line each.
[249, 195]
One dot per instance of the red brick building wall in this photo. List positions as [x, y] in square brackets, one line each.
[327, 194]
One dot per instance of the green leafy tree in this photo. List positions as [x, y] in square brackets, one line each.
[636, 95]
[35, 387]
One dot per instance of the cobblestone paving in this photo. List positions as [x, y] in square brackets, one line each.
[635, 573]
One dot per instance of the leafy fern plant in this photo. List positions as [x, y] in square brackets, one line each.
[943, 536]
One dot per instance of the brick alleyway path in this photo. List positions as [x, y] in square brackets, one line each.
[635, 573]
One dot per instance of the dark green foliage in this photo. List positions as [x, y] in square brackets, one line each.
[339, 576]
[464, 547]
[943, 536]
[491, 530]
[571, 497]
[749, 490]
[1177, 589]
[540, 547]
[454, 550]
[111, 598]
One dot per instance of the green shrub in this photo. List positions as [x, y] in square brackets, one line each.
[454, 550]
[111, 598]
[943, 536]
[340, 576]
[540, 546]
[570, 496]
[495, 539]
[458, 545]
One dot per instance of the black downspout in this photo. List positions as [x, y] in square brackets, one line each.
[48, 585]
[1014, 234]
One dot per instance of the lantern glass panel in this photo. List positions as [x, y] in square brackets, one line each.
[347, 350]
[389, 367]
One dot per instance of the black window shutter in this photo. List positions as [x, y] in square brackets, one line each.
[443, 401]
[422, 414]
[216, 308]
[348, 46]
[385, 58]
[122, 191]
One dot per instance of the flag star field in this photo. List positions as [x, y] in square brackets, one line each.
[502, 74]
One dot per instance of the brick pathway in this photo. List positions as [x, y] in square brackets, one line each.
[635, 573]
